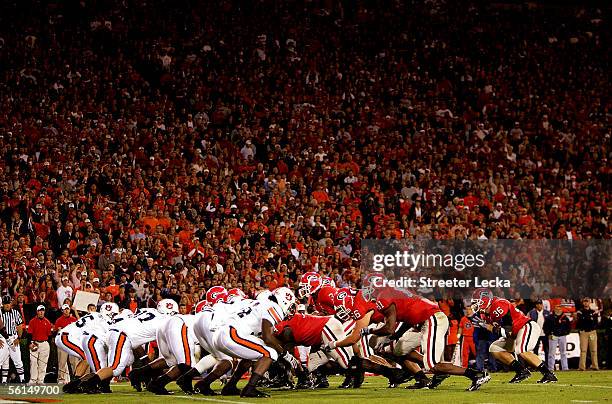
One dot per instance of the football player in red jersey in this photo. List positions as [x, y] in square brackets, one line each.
[414, 310]
[518, 334]
[313, 331]
[351, 304]
[322, 294]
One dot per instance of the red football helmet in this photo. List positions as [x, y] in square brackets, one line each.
[310, 283]
[482, 299]
[216, 294]
[235, 293]
[370, 283]
[200, 306]
[344, 303]
[327, 281]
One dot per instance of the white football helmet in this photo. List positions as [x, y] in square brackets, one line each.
[109, 310]
[263, 295]
[286, 300]
[168, 306]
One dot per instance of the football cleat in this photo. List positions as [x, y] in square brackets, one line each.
[157, 389]
[228, 390]
[479, 380]
[520, 376]
[204, 388]
[548, 378]
[437, 380]
[135, 380]
[253, 392]
[399, 376]
[358, 378]
[420, 384]
[347, 383]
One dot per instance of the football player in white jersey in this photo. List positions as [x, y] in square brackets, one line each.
[210, 315]
[74, 338]
[177, 345]
[249, 334]
[125, 335]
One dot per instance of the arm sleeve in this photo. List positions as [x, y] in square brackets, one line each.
[19, 319]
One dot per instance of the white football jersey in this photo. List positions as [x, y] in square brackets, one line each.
[189, 319]
[140, 327]
[224, 311]
[92, 323]
[248, 319]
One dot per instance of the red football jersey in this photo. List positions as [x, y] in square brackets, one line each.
[324, 300]
[504, 313]
[306, 328]
[409, 307]
[362, 307]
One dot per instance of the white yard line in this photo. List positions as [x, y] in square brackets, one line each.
[214, 400]
[592, 386]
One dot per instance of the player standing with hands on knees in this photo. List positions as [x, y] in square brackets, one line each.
[518, 334]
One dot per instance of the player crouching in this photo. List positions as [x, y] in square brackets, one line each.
[518, 335]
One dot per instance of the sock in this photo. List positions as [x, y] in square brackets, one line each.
[184, 368]
[238, 373]
[213, 375]
[142, 371]
[5, 373]
[190, 374]
[543, 368]
[420, 376]
[253, 380]
[517, 366]
[163, 380]
[471, 373]
[233, 381]
[21, 374]
[205, 363]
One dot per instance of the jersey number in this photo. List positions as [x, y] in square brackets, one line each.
[498, 312]
[244, 312]
[81, 322]
[145, 316]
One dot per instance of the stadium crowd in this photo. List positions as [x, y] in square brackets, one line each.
[150, 152]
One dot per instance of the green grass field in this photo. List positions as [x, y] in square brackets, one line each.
[573, 387]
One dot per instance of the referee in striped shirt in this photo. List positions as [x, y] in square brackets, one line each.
[13, 323]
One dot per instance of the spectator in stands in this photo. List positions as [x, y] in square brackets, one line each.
[65, 290]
